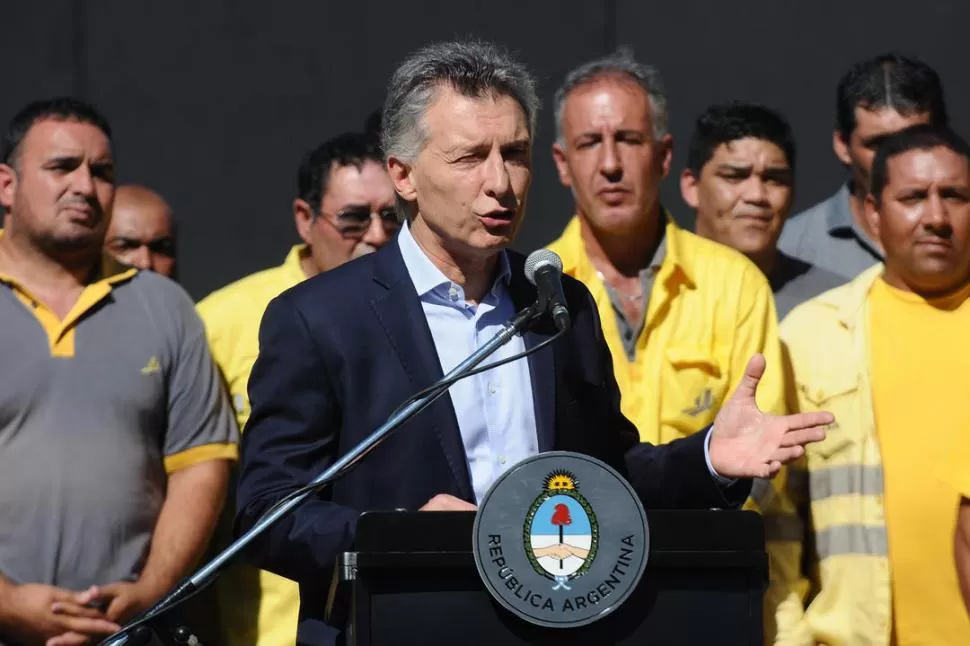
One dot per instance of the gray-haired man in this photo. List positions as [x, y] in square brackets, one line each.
[458, 129]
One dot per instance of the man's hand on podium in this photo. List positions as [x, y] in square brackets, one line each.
[444, 502]
[747, 443]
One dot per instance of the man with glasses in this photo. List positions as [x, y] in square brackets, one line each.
[142, 232]
[344, 209]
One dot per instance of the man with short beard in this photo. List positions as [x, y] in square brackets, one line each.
[876, 97]
[344, 209]
[115, 434]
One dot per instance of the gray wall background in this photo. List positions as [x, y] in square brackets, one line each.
[213, 103]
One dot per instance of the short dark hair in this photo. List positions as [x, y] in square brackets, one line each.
[919, 137]
[349, 148]
[906, 85]
[59, 109]
[727, 122]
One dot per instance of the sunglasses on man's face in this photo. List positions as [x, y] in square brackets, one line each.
[353, 222]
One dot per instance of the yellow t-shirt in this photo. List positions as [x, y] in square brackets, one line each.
[256, 608]
[921, 399]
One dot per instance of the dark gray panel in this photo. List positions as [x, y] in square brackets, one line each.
[215, 102]
[37, 46]
[788, 55]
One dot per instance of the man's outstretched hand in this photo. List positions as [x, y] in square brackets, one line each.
[747, 443]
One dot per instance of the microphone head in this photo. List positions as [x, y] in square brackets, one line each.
[540, 258]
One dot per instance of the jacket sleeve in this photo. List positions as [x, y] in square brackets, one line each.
[784, 503]
[669, 476]
[290, 438]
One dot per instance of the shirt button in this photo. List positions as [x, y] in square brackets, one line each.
[491, 388]
[453, 292]
[501, 459]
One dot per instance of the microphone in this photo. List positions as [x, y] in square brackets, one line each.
[543, 268]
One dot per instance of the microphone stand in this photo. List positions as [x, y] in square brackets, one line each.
[137, 631]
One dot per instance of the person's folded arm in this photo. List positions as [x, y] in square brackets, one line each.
[292, 435]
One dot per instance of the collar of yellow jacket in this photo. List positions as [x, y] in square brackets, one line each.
[292, 266]
[849, 299]
[576, 262]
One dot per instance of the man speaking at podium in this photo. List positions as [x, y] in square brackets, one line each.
[341, 351]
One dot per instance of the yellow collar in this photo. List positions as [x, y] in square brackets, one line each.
[293, 266]
[576, 261]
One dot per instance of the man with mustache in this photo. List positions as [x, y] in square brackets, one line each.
[339, 352]
[344, 209]
[740, 180]
[875, 97]
[888, 354]
[115, 434]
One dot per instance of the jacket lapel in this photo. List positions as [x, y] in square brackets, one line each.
[412, 342]
[542, 370]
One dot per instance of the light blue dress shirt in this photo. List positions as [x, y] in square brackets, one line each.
[495, 410]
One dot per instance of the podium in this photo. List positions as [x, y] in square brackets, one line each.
[412, 580]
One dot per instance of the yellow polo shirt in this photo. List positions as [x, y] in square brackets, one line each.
[257, 608]
[710, 310]
[921, 400]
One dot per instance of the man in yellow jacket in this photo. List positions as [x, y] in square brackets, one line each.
[344, 209]
[888, 354]
[681, 314]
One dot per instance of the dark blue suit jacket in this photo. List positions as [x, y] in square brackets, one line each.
[339, 352]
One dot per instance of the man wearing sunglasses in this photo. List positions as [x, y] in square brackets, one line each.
[344, 209]
[142, 233]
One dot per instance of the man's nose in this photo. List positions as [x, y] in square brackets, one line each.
[376, 234]
[140, 257]
[610, 164]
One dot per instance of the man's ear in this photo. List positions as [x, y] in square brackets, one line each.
[841, 148]
[403, 178]
[873, 217]
[688, 188]
[667, 153]
[303, 219]
[562, 166]
[8, 186]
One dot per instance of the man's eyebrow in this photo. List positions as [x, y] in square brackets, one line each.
[61, 158]
[353, 207]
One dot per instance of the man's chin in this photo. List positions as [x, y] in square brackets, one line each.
[362, 250]
[495, 238]
[618, 220]
[73, 243]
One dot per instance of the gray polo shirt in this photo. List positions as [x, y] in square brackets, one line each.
[794, 281]
[826, 236]
[95, 410]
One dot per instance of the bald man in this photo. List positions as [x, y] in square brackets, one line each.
[142, 233]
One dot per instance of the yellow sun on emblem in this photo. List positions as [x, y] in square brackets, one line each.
[561, 481]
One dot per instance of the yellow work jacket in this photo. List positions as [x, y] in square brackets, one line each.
[844, 595]
[256, 607]
[710, 310]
